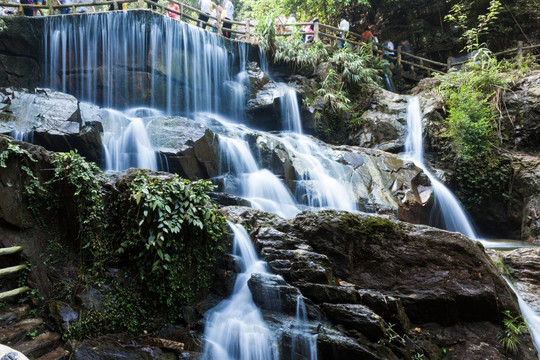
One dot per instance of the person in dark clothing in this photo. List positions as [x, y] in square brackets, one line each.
[407, 48]
[28, 11]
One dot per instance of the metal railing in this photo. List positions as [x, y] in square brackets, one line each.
[245, 30]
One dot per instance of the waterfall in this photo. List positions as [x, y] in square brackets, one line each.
[290, 110]
[235, 329]
[303, 343]
[125, 141]
[447, 212]
[389, 83]
[262, 188]
[532, 318]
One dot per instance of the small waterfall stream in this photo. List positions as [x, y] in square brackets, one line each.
[447, 213]
[235, 329]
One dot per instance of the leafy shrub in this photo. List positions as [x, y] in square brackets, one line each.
[171, 235]
[513, 328]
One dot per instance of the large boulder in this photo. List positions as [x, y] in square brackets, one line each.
[263, 110]
[50, 119]
[384, 125]
[189, 148]
[366, 272]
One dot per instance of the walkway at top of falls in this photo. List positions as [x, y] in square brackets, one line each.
[244, 30]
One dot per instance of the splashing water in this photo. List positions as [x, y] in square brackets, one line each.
[303, 342]
[235, 329]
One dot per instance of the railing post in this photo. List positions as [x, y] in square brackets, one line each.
[519, 52]
[448, 64]
[248, 30]
[219, 25]
[21, 11]
[315, 31]
[115, 5]
[140, 4]
[399, 56]
[181, 11]
[51, 7]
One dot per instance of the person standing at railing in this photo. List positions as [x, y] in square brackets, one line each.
[344, 27]
[229, 11]
[308, 32]
[206, 7]
[173, 6]
[407, 48]
[290, 22]
[64, 10]
[388, 47]
[38, 10]
[28, 11]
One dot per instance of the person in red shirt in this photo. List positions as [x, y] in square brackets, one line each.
[367, 35]
[175, 7]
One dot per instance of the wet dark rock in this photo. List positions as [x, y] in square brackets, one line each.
[103, 349]
[61, 314]
[356, 317]
[263, 110]
[50, 119]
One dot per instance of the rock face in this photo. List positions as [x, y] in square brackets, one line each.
[523, 109]
[524, 267]
[19, 51]
[384, 126]
[50, 119]
[263, 111]
[366, 272]
[189, 148]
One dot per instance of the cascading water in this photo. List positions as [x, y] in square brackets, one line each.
[125, 141]
[235, 329]
[447, 212]
[262, 188]
[290, 111]
[303, 342]
[532, 318]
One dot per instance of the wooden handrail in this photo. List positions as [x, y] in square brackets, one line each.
[187, 12]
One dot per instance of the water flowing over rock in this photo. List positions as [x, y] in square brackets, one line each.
[365, 272]
[50, 119]
[524, 267]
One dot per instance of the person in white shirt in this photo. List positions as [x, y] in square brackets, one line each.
[229, 11]
[206, 7]
[344, 27]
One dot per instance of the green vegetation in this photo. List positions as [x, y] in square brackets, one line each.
[171, 234]
[472, 132]
[164, 235]
[513, 328]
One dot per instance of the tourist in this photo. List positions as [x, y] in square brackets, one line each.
[65, 10]
[36, 10]
[28, 11]
[280, 23]
[216, 11]
[173, 6]
[367, 35]
[290, 22]
[344, 27]
[388, 47]
[407, 48]
[229, 11]
[206, 8]
[307, 31]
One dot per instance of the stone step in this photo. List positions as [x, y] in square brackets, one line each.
[10, 250]
[16, 332]
[57, 354]
[13, 315]
[14, 292]
[11, 270]
[42, 344]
